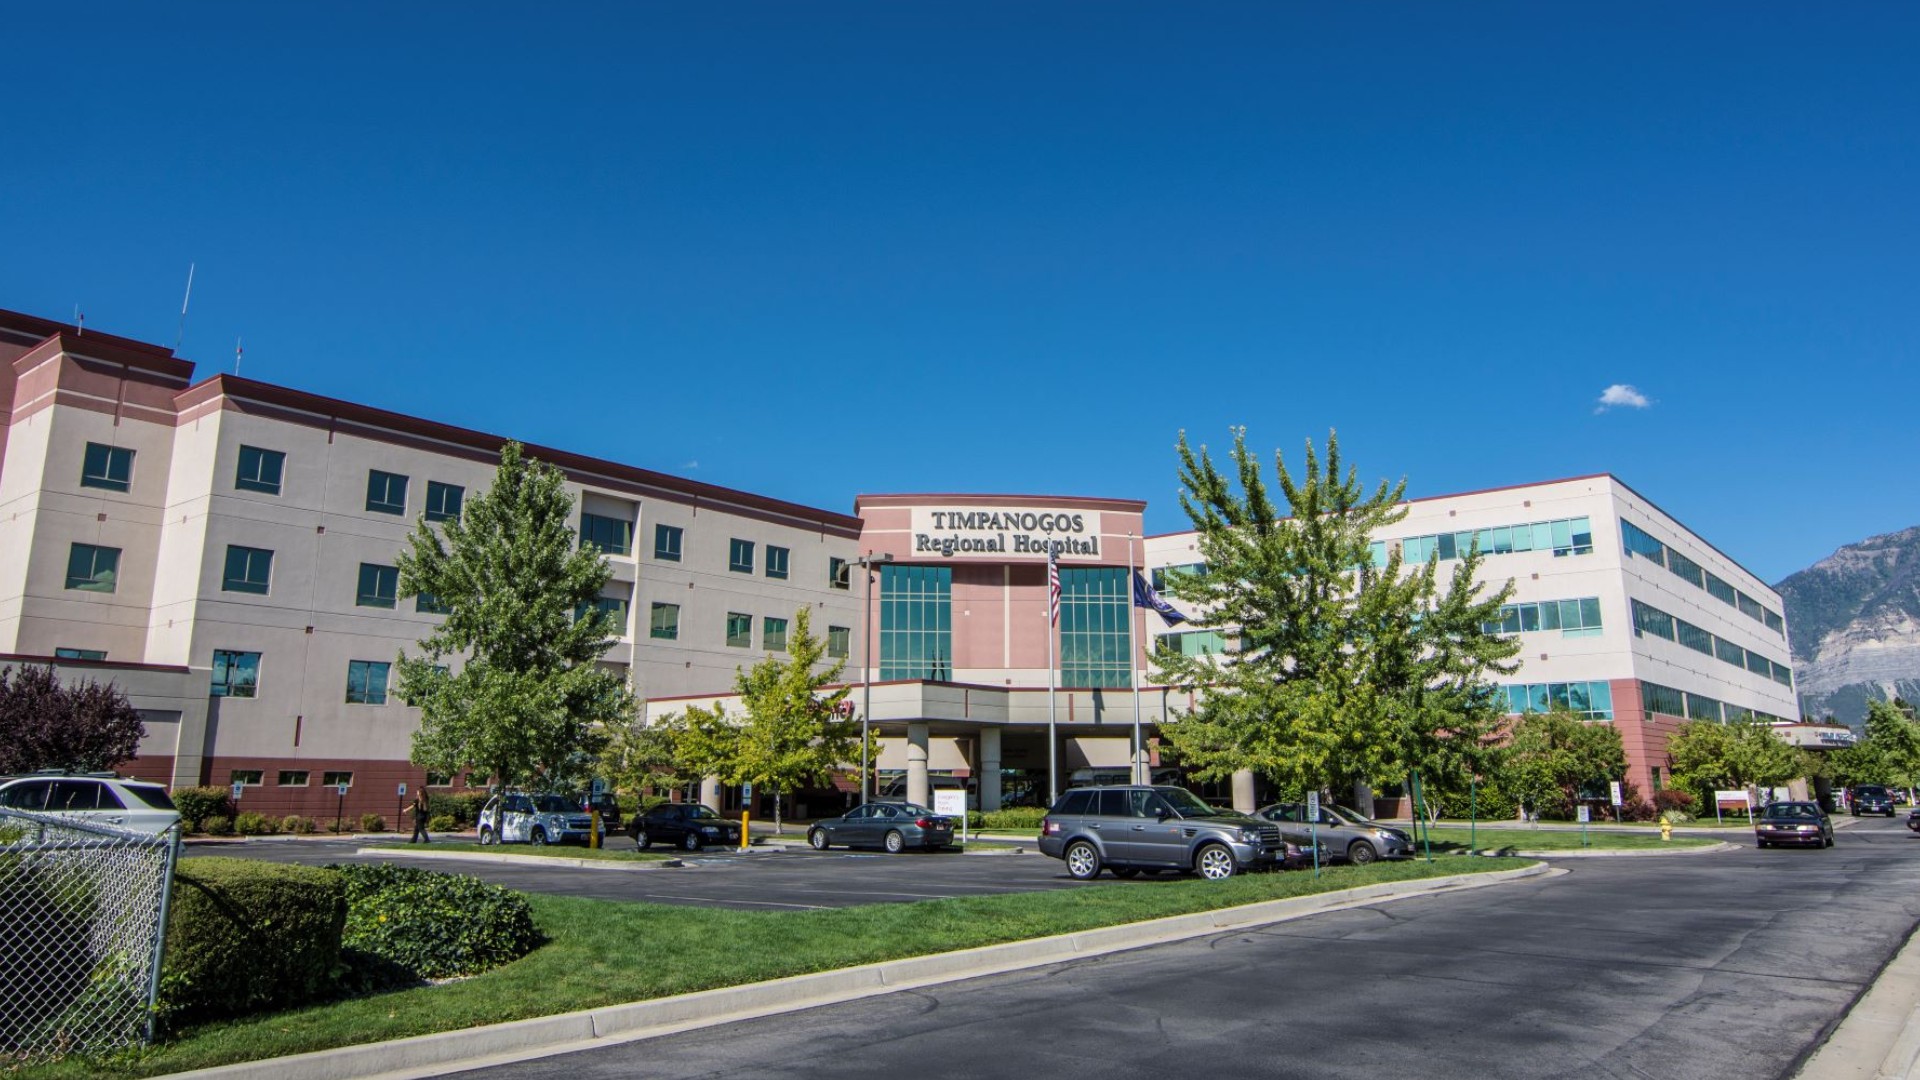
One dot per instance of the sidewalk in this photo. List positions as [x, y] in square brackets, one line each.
[1879, 1038]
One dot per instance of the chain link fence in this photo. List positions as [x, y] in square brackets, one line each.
[82, 918]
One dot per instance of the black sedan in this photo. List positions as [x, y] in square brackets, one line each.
[894, 826]
[1799, 823]
[688, 825]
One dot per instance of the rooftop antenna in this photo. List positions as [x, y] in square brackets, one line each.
[183, 309]
[236, 356]
[79, 322]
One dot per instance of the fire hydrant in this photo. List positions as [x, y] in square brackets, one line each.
[1666, 828]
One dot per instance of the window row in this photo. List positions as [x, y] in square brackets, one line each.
[236, 674]
[1193, 642]
[1638, 541]
[1592, 699]
[290, 778]
[1563, 537]
[1655, 698]
[615, 537]
[663, 623]
[1163, 574]
[1648, 619]
[261, 470]
[1573, 618]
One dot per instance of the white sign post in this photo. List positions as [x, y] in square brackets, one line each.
[952, 803]
[1741, 797]
[1585, 813]
[1313, 828]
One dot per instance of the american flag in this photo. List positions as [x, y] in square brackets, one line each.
[1053, 588]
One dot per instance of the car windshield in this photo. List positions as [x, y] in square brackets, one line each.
[700, 813]
[1793, 810]
[1871, 790]
[1350, 817]
[556, 804]
[1186, 802]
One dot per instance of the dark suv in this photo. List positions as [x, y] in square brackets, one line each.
[1134, 829]
[1872, 799]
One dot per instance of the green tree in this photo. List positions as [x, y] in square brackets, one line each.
[1709, 756]
[791, 731]
[640, 759]
[1893, 738]
[529, 700]
[1340, 668]
[1554, 754]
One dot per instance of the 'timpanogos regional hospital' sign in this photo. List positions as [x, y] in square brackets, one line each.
[962, 531]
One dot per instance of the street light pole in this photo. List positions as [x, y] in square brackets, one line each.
[867, 563]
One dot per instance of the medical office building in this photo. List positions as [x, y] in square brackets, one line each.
[223, 549]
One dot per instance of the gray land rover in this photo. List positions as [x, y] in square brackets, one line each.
[1134, 829]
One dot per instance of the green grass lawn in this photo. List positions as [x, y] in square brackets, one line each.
[1454, 839]
[1733, 821]
[602, 952]
[553, 851]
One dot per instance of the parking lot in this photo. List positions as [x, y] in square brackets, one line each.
[758, 880]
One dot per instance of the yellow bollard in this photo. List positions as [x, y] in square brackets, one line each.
[593, 828]
[744, 838]
[1666, 828]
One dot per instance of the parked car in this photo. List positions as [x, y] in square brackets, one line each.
[1147, 829]
[1872, 799]
[1344, 833]
[893, 826]
[1913, 819]
[102, 798]
[688, 825]
[519, 818]
[608, 806]
[1802, 823]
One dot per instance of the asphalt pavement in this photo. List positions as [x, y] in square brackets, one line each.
[1731, 964]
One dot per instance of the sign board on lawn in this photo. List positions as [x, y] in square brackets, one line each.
[1724, 797]
[238, 787]
[1613, 791]
[950, 802]
[1313, 806]
[1585, 814]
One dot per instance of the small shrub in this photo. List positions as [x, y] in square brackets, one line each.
[434, 926]
[197, 804]
[217, 825]
[249, 823]
[247, 936]
[297, 825]
[1669, 799]
[1018, 817]
[372, 823]
[462, 806]
[443, 823]
[648, 802]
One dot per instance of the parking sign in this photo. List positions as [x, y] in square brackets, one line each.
[238, 787]
[341, 791]
[402, 792]
[1585, 813]
[1613, 790]
[1313, 806]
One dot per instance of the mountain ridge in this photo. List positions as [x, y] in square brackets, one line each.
[1854, 625]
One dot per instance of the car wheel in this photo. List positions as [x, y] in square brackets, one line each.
[895, 842]
[1829, 841]
[1126, 872]
[1215, 863]
[691, 841]
[1362, 853]
[1083, 862]
[486, 837]
[642, 840]
[817, 840]
[539, 837]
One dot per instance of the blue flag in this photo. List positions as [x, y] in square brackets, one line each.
[1144, 596]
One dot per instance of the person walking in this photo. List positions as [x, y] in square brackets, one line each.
[419, 808]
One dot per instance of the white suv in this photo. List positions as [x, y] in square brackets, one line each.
[101, 797]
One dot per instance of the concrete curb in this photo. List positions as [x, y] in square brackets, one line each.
[520, 860]
[1879, 1038]
[1618, 853]
[432, 1055]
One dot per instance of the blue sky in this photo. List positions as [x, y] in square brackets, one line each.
[816, 249]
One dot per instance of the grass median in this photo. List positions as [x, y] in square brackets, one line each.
[1452, 839]
[602, 952]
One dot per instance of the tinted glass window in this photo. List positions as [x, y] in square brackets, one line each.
[857, 813]
[1074, 802]
[31, 795]
[74, 795]
[156, 797]
[1111, 803]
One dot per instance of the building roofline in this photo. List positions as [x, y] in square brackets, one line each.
[96, 345]
[1090, 501]
[103, 665]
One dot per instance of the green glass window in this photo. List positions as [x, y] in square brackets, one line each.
[1648, 619]
[665, 622]
[1573, 618]
[79, 654]
[1776, 624]
[777, 559]
[837, 575]
[293, 777]
[1686, 569]
[235, 674]
[1693, 637]
[1194, 642]
[1593, 699]
[91, 568]
[248, 570]
[1094, 604]
[839, 641]
[611, 535]
[1722, 591]
[366, 683]
[259, 470]
[428, 604]
[109, 467]
[916, 622]
[616, 609]
[444, 501]
[773, 634]
[1701, 707]
[1751, 608]
[335, 779]
[666, 543]
[1638, 541]
[386, 492]
[379, 586]
[740, 555]
[1728, 651]
[1782, 674]
[1655, 698]
[739, 630]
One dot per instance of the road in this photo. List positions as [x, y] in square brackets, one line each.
[1727, 965]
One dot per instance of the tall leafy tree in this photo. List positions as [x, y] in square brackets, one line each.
[1709, 756]
[1893, 740]
[1554, 754]
[85, 727]
[1340, 668]
[508, 684]
[792, 730]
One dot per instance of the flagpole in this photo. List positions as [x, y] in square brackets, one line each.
[1133, 665]
[1053, 739]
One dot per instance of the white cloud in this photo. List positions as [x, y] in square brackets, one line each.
[1624, 396]
[690, 464]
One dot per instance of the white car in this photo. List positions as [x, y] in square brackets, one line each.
[103, 798]
[517, 818]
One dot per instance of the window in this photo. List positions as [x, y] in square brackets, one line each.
[837, 575]
[247, 777]
[379, 586]
[428, 604]
[1693, 637]
[435, 779]
[1728, 651]
[386, 492]
[1700, 707]
[79, 654]
[1782, 674]
[91, 568]
[777, 558]
[739, 630]
[1651, 620]
[335, 779]
[740, 556]
[1751, 608]
[1722, 591]
[1164, 574]
[1638, 541]
[1573, 618]
[616, 609]
[1194, 642]
[293, 777]
[1758, 664]
[367, 682]
[1662, 699]
[109, 467]
[664, 622]
[1686, 569]
[1592, 699]
[259, 470]
[773, 634]
[444, 500]
[1095, 603]
[614, 536]
[249, 570]
[666, 543]
[235, 674]
[916, 621]
[839, 641]
[1776, 624]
